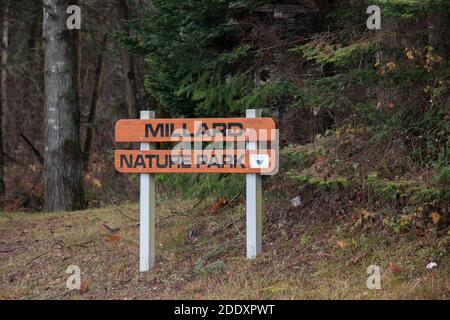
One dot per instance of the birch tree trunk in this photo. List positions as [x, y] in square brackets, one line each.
[62, 151]
[4, 89]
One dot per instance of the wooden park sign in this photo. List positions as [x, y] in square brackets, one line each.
[233, 145]
[170, 130]
[202, 161]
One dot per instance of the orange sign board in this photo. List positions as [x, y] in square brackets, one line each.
[201, 129]
[195, 161]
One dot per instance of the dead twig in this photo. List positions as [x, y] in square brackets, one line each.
[117, 208]
[13, 275]
[61, 245]
[176, 212]
[113, 230]
[82, 245]
[122, 282]
[235, 226]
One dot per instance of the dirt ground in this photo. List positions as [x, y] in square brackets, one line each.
[202, 256]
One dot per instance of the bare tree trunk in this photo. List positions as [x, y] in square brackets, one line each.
[438, 29]
[63, 188]
[78, 48]
[4, 89]
[93, 107]
[128, 63]
[31, 54]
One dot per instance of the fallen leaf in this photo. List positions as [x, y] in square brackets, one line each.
[84, 287]
[341, 244]
[180, 228]
[395, 268]
[113, 238]
[391, 65]
[218, 206]
[96, 183]
[435, 217]
[410, 54]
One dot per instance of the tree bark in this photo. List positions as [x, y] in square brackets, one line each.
[4, 89]
[63, 188]
[30, 144]
[438, 29]
[78, 55]
[93, 107]
[128, 63]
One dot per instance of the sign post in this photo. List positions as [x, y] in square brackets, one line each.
[237, 145]
[253, 201]
[147, 210]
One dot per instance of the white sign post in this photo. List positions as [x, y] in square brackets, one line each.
[254, 201]
[258, 159]
[147, 210]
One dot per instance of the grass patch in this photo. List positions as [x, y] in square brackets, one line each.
[203, 257]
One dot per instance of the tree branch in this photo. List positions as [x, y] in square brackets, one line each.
[33, 148]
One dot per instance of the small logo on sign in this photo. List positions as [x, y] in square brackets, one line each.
[259, 161]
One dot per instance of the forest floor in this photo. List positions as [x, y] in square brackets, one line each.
[202, 256]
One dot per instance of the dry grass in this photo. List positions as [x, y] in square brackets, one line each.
[301, 260]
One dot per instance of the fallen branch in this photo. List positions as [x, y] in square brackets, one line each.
[117, 208]
[13, 275]
[83, 245]
[61, 245]
[110, 229]
[122, 283]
